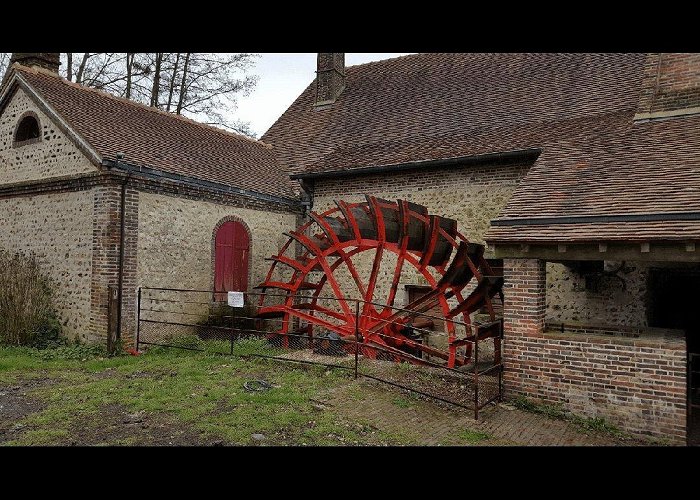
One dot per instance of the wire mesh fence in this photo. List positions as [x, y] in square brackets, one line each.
[457, 362]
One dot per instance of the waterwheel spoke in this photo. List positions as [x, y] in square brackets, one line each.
[306, 241]
[425, 242]
[331, 234]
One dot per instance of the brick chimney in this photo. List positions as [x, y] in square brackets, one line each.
[47, 60]
[330, 77]
[670, 86]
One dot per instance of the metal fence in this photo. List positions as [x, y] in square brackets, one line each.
[200, 320]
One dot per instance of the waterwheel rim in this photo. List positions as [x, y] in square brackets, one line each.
[429, 244]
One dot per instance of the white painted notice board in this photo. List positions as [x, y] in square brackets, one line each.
[235, 299]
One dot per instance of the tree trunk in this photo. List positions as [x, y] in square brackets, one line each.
[172, 82]
[129, 68]
[155, 91]
[181, 100]
[69, 66]
[81, 69]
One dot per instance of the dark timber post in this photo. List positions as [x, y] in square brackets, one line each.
[138, 319]
[231, 324]
[112, 317]
[500, 361]
[476, 373]
[357, 334]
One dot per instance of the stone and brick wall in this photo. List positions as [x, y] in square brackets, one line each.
[472, 196]
[671, 82]
[637, 384]
[175, 243]
[57, 228]
[106, 230]
[569, 301]
[54, 155]
[53, 205]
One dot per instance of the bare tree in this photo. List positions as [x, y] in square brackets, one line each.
[211, 84]
[203, 86]
[4, 62]
[173, 79]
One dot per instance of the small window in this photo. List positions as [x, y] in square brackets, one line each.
[27, 131]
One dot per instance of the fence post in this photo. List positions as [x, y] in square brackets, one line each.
[357, 334]
[500, 360]
[476, 373]
[231, 331]
[112, 317]
[138, 319]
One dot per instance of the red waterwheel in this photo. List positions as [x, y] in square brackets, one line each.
[323, 278]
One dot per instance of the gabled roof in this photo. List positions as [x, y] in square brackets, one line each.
[578, 109]
[633, 182]
[157, 139]
[432, 106]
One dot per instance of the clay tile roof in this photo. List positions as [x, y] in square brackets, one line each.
[577, 108]
[632, 169]
[432, 106]
[160, 140]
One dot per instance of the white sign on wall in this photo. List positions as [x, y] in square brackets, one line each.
[235, 299]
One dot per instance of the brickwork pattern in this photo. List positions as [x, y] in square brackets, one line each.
[105, 257]
[129, 275]
[428, 423]
[524, 293]
[638, 385]
[670, 82]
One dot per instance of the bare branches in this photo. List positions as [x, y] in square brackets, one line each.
[203, 86]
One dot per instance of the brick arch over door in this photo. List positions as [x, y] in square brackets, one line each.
[231, 263]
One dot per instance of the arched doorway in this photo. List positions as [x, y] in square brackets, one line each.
[231, 252]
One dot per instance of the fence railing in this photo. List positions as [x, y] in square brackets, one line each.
[362, 342]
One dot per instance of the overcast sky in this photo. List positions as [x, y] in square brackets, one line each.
[282, 78]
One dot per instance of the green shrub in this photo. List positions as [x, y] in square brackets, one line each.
[222, 314]
[27, 315]
[73, 351]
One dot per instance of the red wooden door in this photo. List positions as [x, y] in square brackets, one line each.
[231, 258]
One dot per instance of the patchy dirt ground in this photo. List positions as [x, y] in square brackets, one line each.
[117, 425]
[198, 400]
[15, 404]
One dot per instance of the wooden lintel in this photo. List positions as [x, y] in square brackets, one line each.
[674, 251]
[602, 247]
[524, 248]
[645, 247]
[690, 246]
[561, 248]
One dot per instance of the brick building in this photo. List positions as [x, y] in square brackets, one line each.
[577, 170]
[106, 191]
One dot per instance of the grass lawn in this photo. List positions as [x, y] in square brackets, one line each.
[171, 397]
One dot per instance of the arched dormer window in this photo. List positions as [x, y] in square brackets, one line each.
[27, 131]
